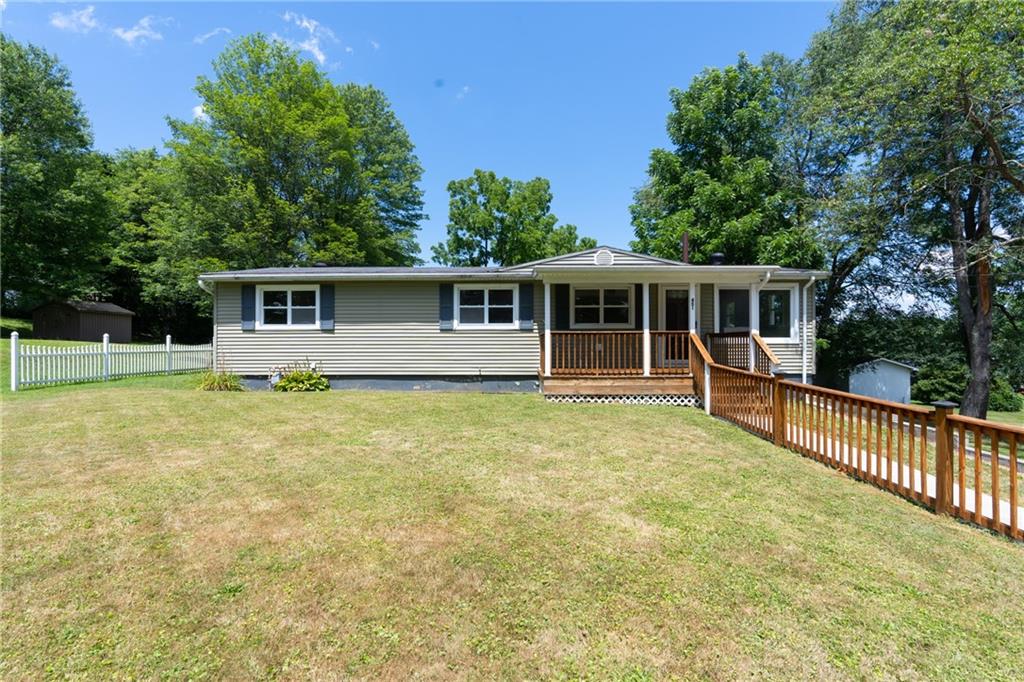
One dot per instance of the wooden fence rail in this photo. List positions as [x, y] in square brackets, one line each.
[42, 365]
[956, 465]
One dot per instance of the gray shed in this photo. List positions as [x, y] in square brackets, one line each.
[82, 321]
[882, 378]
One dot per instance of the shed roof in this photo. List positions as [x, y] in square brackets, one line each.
[95, 307]
[887, 361]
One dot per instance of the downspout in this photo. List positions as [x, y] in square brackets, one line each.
[803, 346]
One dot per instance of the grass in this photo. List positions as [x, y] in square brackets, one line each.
[155, 531]
[1011, 418]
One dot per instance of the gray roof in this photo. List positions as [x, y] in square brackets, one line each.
[888, 361]
[523, 271]
[96, 307]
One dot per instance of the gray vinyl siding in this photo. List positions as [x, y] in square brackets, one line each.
[381, 329]
[790, 354]
[620, 260]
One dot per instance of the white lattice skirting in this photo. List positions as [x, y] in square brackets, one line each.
[635, 399]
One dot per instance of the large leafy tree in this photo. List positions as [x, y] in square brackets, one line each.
[497, 220]
[939, 85]
[284, 168]
[721, 183]
[52, 203]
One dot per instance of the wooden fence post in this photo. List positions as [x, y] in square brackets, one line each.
[106, 357]
[170, 359]
[779, 404]
[14, 361]
[943, 458]
[707, 388]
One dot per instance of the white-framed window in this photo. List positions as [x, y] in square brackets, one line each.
[778, 312]
[732, 312]
[287, 306]
[486, 305]
[601, 307]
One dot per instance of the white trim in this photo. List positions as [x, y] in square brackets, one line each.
[630, 313]
[486, 324]
[315, 288]
[794, 312]
[547, 329]
[646, 313]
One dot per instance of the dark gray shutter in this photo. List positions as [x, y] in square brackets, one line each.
[248, 307]
[327, 307]
[561, 307]
[638, 296]
[445, 312]
[526, 306]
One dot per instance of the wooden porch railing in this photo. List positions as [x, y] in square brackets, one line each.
[597, 353]
[670, 352]
[765, 360]
[700, 361]
[731, 349]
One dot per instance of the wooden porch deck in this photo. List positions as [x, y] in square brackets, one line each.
[627, 385]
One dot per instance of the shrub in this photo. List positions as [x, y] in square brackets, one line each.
[299, 377]
[1002, 398]
[220, 381]
[940, 379]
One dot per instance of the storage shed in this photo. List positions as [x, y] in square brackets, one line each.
[82, 321]
[883, 378]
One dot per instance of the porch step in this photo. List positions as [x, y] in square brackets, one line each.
[632, 385]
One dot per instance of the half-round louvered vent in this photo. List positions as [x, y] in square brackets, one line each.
[604, 257]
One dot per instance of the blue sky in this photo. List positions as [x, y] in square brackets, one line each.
[577, 93]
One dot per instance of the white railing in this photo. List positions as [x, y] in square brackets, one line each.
[41, 365]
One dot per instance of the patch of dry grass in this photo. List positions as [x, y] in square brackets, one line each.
[152, 532]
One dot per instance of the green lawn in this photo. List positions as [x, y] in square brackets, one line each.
[154, 531]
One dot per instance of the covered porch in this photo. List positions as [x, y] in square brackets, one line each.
[604, 337]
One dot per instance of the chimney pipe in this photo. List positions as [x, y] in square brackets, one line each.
[684, 247]
[718, 258]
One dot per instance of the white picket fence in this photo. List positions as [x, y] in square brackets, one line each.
[40, 365]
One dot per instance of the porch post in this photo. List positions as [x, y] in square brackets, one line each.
[755, 320]
[647, 328]
[547, 329]
[693, 308]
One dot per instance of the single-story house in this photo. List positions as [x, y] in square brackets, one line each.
[883, 378]
[82, 321]
[598, 321]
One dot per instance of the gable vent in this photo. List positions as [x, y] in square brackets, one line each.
[604, 257]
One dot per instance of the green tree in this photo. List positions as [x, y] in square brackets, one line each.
[53, 209]
[284, 168]
[494, 220]
[939, 85]
[721, 183]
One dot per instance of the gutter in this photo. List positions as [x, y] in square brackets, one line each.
[803, 346]
[205, 285]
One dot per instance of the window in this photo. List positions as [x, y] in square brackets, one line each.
[733, 310]
[281, 306]
[776, 313]
[490, 305]
[601, 307]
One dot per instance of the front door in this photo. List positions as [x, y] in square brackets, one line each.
[676, 317]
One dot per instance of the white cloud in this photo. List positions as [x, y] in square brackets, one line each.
[76, 21]
[199, 113]
[461, 94]
[374, 44]
[200, 39]
[316, 32]
[142, 32]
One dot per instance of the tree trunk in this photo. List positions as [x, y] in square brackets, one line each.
[971, 224]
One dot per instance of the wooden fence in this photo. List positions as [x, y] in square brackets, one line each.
[950, 464]
[42, 365]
